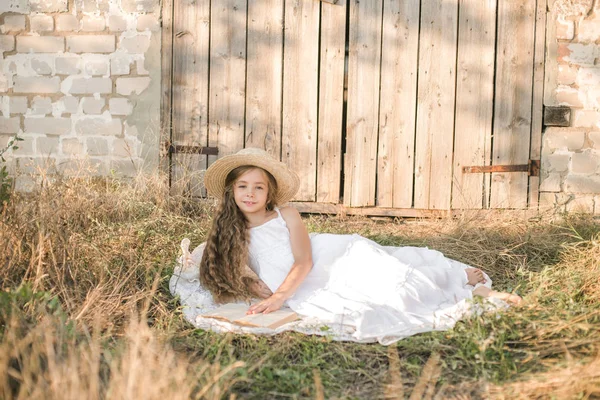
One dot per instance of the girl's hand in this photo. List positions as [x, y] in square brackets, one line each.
[270, 304]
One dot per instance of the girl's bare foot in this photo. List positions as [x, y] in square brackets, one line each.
[510, 298]
[474, 276]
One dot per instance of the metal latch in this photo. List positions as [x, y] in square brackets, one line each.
[170, 148]
[532, 168]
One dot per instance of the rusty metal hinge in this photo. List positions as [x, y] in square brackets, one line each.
[170, 148]
[532, 168]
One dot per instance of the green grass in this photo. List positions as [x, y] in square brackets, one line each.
[83, 260]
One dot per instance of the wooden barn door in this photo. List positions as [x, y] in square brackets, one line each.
[458, 84]
[381, 106]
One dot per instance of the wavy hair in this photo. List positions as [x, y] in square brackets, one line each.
[226, 253]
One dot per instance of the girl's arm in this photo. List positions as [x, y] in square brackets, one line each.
[302, 263]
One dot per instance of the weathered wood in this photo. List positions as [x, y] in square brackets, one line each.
[190, 92]
[360, 166]
[331, 102]
[538, 100]
[474, 100]
[227, 76]
[435, 109]
[398, 102]
[265, 63]
[166, 82]
[339, 209]
[300, 92]
[512, 116]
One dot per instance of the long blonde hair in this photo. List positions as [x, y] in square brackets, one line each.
[226, 253]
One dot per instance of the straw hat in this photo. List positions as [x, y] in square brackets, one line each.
[287, 180]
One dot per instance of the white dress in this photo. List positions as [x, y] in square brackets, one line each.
[357, 289]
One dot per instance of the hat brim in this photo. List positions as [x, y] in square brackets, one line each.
[288, 181]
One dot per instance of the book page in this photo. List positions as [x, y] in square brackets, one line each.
[228, 312]
[270, 320]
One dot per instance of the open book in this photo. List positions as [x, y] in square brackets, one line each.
[236, 314]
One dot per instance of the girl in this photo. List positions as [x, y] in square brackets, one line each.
[257, 250]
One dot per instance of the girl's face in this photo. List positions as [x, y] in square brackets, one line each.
[251, 191]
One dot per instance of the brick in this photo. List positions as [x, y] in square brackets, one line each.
[586, 162]
[141, 68]
[7, 43]
[558, 162]
[96, 66]
[148, 22]
[41, 23]
[17, 105]
[595, 139]
[551, 183]
[90, 86]
[41, 105]
[568, 96]
[10, 125]
[3, 83]
[547, 200]
[557, 138]
[41, 67]
[572, 8]
[137, 44]
[13, 23]
[582, 183]
[140, 6]
[70, 104]
[16, 6]
[25, 147]
[120, 106]
[124, 148]
[40, 44]
[129, 86]
[67, 23]
[67, 65]
[588, 76]
[91, 44]
[49, 5]
[119, 65]
[48, 125]
[92, 106]
[581, 204]
[578, 53]
[47, 145]
[586, 119]
[565, 29]
[589, 30]
[567, 75]
[89, 6]
[93, 23]
[97, 146]
[117, 23]
[34, 84]
[99, 126]
[71, 146]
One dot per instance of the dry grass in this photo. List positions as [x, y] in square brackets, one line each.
[85, 310]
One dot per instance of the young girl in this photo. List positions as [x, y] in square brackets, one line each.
[257, 250]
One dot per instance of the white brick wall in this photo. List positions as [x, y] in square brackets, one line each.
[570, 175]
[68, 89]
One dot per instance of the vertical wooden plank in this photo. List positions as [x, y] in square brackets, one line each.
[166, 81]
[227, 76]
[474, 100]
[398, 103]
[190, 91]
[512, 117]
[263, 77]
[435, 109]
[363, 102]
[300, 74]
[538, 98]
[331, 101]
